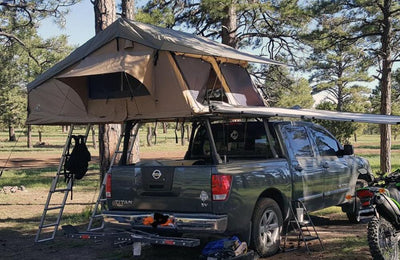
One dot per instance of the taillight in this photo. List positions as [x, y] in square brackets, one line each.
[366, 203]
[364, 194]
[220, 184]
[108, 186]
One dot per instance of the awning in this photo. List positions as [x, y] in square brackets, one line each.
[249, 111]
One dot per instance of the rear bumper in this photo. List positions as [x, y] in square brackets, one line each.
[181, 222]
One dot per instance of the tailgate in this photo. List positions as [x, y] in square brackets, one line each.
[161, 188]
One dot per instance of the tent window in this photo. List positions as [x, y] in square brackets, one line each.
[115, 85]
[201, 79]
[240, 84]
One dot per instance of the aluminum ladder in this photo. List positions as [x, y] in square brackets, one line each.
[302, 225]
[55, 203]
[130, 129]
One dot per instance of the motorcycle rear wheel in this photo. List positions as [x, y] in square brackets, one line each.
[382, 240]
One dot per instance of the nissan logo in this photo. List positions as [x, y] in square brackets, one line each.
[156, 174]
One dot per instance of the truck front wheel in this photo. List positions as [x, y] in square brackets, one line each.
[267, 226]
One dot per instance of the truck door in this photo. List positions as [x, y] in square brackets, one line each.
[337, 173]
[307, 173]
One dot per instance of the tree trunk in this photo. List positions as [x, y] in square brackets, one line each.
[188, 132]
[229, 26]
[149, 135]
[386, 99]
[183, 134]
[164, 128]
[11, 133]
[94, 138]
[108, 137]
[135, 156]
[29, 137]
[128, 9]
[155, 133]
[104, 15]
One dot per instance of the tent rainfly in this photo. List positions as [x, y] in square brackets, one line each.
[133, 70]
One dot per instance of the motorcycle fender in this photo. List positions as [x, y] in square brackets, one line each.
[388, 209]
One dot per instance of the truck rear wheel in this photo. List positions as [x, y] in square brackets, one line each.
[266, 227]
[352, 212]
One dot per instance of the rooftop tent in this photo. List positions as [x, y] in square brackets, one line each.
[133, 70]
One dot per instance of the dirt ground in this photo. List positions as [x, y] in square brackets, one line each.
[26, 207]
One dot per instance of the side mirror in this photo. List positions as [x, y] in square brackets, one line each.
[348, 149]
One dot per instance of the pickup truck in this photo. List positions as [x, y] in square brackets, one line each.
[238, 177]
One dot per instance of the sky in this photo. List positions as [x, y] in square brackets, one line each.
[79, 26]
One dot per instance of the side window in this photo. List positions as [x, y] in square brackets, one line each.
[299, 141]
[242, 140]
[326, 144]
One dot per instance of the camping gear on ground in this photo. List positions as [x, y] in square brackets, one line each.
[226, 248]
[379, 204]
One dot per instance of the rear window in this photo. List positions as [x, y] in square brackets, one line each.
[235, 140]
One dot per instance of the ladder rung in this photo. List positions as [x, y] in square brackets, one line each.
[97, 216]
[44, 239]
[310, 238]
[61, 190]
[56, 207]
[50, 225]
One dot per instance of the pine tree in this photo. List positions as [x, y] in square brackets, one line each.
[377, 24]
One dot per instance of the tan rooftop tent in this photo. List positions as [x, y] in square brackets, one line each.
[133, 70]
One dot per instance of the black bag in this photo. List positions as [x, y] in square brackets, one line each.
[77, 162]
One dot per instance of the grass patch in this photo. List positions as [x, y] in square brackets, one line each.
[30, 178]
[42, 178]
[346, 247]
[328, 211]
[353, 243]
[78, 218]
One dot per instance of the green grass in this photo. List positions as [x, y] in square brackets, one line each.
[41, 178]
[54, 140]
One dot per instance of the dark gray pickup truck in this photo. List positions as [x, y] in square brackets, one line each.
[238, 177]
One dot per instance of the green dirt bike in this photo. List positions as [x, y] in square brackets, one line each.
[379, 204]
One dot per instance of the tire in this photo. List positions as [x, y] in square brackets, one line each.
[266, 227]
[352, 215]
[382, 242]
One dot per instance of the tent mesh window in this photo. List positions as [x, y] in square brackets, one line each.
[201, 79]
[115, 85]
[241, 85]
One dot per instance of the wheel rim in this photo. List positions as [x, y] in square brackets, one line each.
[387, 241]
[269, 228]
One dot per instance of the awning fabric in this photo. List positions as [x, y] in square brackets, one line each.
[251, 111]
